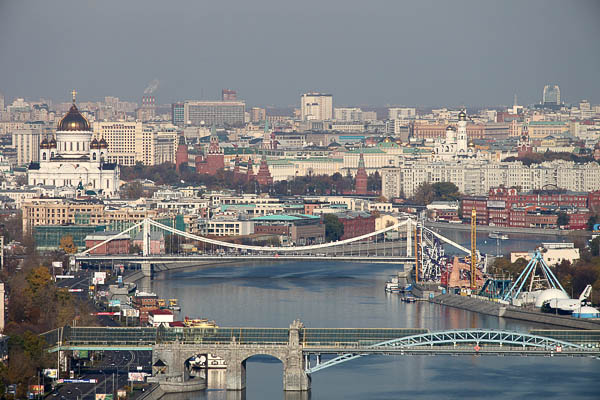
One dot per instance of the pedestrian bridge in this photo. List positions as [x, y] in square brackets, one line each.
[305, 351]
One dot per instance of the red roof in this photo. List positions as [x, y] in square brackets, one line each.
[176, 324]
[160, 312]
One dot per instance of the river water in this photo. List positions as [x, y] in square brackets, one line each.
[336, 294]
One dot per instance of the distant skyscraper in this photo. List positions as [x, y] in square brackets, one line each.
[1, 102]
[177, 114]
[551, 96]
[258, 114]
[316, 106]
[228, 95]
[219, 113]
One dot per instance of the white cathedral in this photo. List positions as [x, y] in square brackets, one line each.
[455, 146]
[74, 159]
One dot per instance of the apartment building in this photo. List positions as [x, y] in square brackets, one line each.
[477, 177]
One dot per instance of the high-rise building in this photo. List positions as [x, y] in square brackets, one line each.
[316, 106]
[347, 114]
[178, 114]
[402, 113]
[1, 102]
[27, 144]
[551, 95]
[258, 114]
[228, 95]
[124, 140]
[132, 142]
[219, 113]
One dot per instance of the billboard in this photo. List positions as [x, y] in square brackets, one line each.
[51, 373]
[114, 303]
[77, 381]
[36, 389]
[99, 278]
[137, 376]
[57, 264]
[130, 312]
[104, 396]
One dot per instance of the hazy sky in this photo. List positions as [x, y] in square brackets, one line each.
[373, 52]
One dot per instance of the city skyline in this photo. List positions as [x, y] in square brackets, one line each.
[421, 54]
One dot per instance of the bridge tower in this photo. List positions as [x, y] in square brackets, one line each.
[473, 249]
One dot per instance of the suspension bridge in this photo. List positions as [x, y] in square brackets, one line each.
[305, 351]
[412, 243]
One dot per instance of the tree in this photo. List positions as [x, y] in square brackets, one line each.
[446, 191]
[132, 191]
[334, 229]
[592, 220]
[595, 246]
[424, 194]
[67, 244]
[135, 249]
[562, 219]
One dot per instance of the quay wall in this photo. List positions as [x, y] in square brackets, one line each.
[507, 311]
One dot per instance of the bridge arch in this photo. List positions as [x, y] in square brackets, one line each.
[458, 338]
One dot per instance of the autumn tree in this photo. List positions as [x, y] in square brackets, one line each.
[68, 245]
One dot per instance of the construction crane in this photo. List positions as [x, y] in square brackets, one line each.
[473, 249]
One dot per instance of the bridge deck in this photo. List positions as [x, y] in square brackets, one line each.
[142, 337]
[317, 339]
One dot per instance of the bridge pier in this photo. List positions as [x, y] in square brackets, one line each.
[146, 268]
[169, 360]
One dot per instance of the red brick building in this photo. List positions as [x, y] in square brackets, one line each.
[115, 246]
[510, 208]
[480, 206]
[356, 223]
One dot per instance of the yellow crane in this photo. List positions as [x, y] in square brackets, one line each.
[473, 250]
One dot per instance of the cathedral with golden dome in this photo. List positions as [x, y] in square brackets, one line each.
[71, 158]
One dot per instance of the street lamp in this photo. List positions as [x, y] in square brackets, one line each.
[104, 375]
[80, 393]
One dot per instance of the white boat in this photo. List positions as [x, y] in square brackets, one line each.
[208, 361]
[498, 235]
[392, 285]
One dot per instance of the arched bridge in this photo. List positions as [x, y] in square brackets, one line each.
[466, 342]
[301, 349]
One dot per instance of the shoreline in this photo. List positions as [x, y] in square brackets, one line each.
[506, 229]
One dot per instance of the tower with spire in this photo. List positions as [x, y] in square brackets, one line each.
[214, 158]
[263, 177]
[361, 179]
[181, 155]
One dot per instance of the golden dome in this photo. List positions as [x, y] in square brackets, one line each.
[73, 121]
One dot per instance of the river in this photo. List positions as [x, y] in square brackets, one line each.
[335, 294]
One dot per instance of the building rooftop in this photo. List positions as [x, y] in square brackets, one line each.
[285, 217]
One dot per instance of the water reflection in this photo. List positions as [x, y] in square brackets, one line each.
[221, 394]
[352, 295]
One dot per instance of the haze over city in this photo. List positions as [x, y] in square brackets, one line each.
[366, 53]
[336, 199]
